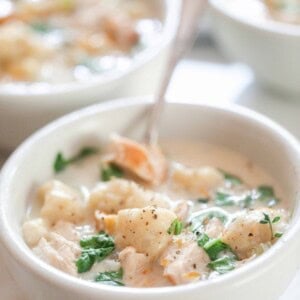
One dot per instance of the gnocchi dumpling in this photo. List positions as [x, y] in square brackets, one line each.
[120, 194]
[145, 229]
[60, 202]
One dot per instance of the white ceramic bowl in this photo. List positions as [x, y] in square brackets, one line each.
[260, 139]
[270, 48]
[22, 111]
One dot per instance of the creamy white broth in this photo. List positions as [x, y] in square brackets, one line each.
[162, 267]
[61, 41]
[85, 174]
[197, 154]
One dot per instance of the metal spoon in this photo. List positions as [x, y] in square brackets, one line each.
[184, 38]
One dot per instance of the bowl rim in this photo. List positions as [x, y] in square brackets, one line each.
[171, 10]
[24, 256]
[273, 27]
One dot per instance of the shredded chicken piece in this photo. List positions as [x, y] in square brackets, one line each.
[182, 210]
[184, 261]
[121, 31]
[146, 162]
[145, 229]
[58, 252]
[66, 230]
[214, 228]
[139, 271]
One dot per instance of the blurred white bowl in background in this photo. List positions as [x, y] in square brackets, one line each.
[24, 110]
[245, 32]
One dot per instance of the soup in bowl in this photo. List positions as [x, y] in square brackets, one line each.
[62, 55]
[61, 41]
[212, 210]
[263, 37]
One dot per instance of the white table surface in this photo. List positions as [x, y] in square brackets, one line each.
[206, 77]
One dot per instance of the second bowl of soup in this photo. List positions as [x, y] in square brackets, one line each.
[62, 55]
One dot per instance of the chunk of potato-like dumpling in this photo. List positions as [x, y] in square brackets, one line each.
[245, 233]
[117, 194]
[184, 261]
[67, 230]
[139, 271]
[146, 162]
[199, 182]
[34, 230]
[145, 229]
[60, 202]
[19, 42]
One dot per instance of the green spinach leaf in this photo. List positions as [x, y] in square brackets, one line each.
[94, 249]
[110, 278]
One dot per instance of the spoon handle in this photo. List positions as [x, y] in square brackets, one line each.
[183, 40]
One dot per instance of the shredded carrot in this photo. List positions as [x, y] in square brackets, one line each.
[191, 275]
[164, 262]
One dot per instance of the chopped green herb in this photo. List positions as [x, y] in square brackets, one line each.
[94, 249]
[97, 241]
[214, 247]
[89, 256]
[246, 201]
[224, 199]
[203, 239]
[266, 194]
[276, 219]
[278, 234]
[61, 163]
[111, 171]
[230, 178]
[175, 227]
[92, 65]
[222, 265]
[110, 278]
[199, 219]
[267, 220]
[41, 27]
[203, 200]
[266, 191]
[85, 262]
